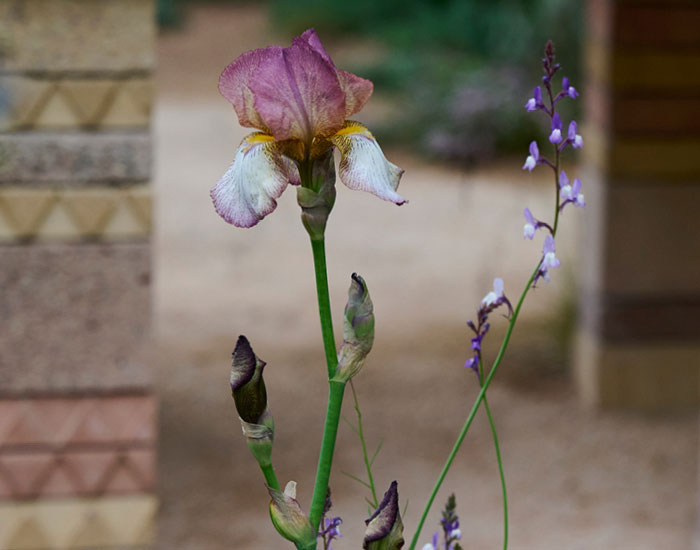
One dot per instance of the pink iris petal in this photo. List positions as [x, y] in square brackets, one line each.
[259, 173]
[357, 90]
[363, 165]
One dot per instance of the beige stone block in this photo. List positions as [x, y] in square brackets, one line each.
[124, 223]
[129, 106]
[24, 210]
[56, 112]
[26, 98]
[640, 376]
[78, 523]
[141, 202]
[75, 317]
[57, 226]
[89, 98]
[651, 239]
[78, 35]
[91, 209]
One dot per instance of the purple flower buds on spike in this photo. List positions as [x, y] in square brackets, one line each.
[358, 330]
[576, 195]
[550, 260]
[564, 186]
[532, 160]
[573, 138]
[555, 136]
[530, 225]
[288, 517]
[569, 90]
[384, 527]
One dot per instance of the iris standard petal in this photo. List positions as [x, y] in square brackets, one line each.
[297, 94]
[234, 85]
[357, 90]
[259, 173]
[363, 165]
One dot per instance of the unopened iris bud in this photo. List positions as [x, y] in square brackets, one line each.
[385, 528]
[317, 201]
[288, 517]
[250, 396]
[247, 383]
[358, 330]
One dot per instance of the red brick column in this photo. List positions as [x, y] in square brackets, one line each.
[639, 344]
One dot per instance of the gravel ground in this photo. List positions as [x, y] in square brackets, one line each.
[576, 479]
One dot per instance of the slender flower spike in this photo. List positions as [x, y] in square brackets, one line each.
[569, 90]
[288, 517]
[385, 528]
[573, 138]
[300, 102]
[550, 260]
[530, 225]
[535, 102]
[358, 330]
[533, 158]
[495, 294]
[555, 136]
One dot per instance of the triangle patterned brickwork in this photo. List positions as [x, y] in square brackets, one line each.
[36, 103]
[68, 215]
[87, 524]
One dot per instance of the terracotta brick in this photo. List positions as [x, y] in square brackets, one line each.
[655, 116]
[109, 35]
[75, 317]
[656, 73]
[663, 25]
[655, 159]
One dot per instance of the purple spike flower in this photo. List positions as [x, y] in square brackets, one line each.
[495, 294]
[535, 102]
[555, 136]
[573, 138]
[533, 158]
[576, 195]
[550, 260]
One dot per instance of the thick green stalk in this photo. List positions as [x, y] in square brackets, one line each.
[270, 477]
[472, 413]
[324, 305]
[325, 460]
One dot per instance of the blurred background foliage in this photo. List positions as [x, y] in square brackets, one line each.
[455, 74]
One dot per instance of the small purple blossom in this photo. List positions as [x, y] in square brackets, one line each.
[330, 531]
[573, 137]
[567, 89]
[549, 261]
[530, 225]
[495, 294]
[533, 158]
[570, 193]
[555, 136]
[535, 102]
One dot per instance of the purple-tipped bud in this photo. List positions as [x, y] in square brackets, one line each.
[568, 89]
[555, 136]
[576, 195]
[358, 330]
[247, 385]
[288, 517]
[573, 137]
[384, 527]
[535, 102]
[493, 296]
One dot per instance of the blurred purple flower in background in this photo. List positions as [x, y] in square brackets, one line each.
[555, 136]
[533, 158]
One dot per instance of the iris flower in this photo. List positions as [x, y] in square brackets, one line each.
[300, 104]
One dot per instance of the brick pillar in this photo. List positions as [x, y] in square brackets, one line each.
[77, 413]
[639, 342]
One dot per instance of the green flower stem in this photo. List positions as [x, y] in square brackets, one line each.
[325, 460]
[270, 477]
[324, 305]
[475, 408]
[500, 473]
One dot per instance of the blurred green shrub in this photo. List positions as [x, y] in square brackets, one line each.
[457, 68]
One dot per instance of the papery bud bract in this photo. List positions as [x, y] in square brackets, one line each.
[288, 517]
[358, 330]
[385, 528]
[317, 202]
[247, 383]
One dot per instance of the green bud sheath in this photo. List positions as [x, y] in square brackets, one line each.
[317, 197]
[247, 383]
[288, 518]
[358, 330]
